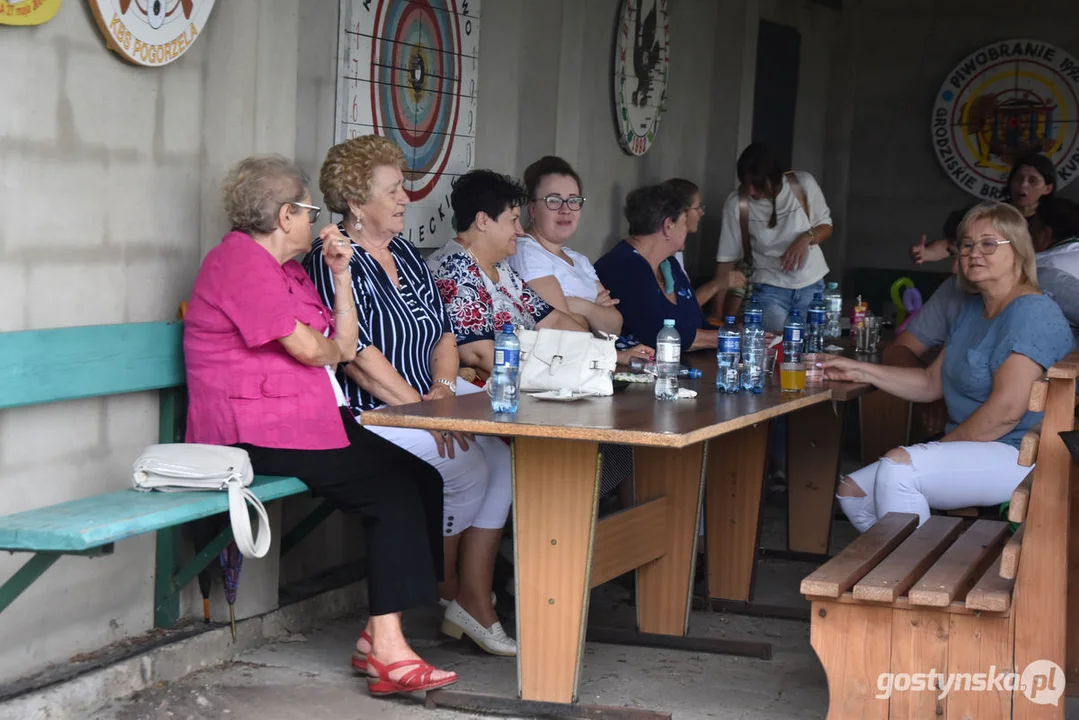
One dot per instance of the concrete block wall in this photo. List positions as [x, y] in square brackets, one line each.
[109, 198]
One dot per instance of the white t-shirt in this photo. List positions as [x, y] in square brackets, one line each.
[769, 244]
[533, 261]
[1064, 257]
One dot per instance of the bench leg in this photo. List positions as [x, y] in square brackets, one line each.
[853, 667]
[304, 528]
[25, 576]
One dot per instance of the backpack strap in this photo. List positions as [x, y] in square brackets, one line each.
[800, 193]
[743, 221]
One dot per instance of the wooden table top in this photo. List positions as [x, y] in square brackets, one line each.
[631, 417]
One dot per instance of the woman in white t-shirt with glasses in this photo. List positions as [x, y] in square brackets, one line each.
[783, 218]
[565, 279]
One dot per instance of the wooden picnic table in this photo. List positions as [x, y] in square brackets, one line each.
[682, 447]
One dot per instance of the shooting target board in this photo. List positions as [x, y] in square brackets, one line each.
[408, 70]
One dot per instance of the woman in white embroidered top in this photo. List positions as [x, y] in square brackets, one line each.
[564, 278]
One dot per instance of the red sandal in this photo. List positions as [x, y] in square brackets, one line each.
[416, 680]
[359, 660]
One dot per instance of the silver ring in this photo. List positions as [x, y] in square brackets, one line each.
[342, 243]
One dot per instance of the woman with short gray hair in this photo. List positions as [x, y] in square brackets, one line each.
[260, 349]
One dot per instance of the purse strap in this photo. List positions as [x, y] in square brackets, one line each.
[239, 498]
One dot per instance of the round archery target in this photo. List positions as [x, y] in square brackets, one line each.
[416, 93]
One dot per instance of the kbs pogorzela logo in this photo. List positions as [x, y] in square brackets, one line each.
[1001, 102]
[151, 32]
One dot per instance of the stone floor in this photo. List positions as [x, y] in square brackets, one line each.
[309, 676]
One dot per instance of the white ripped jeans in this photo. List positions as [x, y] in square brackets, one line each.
[942, 476]
[477, 484]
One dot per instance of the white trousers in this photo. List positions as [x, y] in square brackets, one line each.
[477, 488]
[942, 476]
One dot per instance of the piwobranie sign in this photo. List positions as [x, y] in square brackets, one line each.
[1001, 102]
[151, 32]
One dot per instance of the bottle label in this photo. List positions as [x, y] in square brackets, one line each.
[505, 357]
[816, 317]
[731, 344]
[668, 352]
[792, 334]
[835, 304]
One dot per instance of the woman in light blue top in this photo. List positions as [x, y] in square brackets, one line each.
[1006, 335]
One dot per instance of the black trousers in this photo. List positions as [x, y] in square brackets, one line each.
[398, 497]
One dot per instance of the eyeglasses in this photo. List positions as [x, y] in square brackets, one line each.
[986, 246]
[312, 210]
[699, 208]
[555, 202]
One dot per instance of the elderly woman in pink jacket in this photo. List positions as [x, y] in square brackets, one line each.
[260, 349]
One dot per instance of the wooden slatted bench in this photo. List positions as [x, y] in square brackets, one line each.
[955, 598]
[45, 366]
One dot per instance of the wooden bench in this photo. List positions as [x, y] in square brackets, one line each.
[958, 597]
[45, 366]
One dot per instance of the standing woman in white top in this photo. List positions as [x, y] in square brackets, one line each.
[781, 219]
[565, 279]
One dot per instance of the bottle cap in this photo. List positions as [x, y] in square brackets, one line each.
[669, 322]
[729, 319]
[508, 328]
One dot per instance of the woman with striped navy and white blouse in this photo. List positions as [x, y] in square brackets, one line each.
[407, 354]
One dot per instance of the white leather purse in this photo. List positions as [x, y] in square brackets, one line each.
[182, 467]
[557, 359]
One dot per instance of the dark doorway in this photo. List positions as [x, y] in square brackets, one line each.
[776, 89]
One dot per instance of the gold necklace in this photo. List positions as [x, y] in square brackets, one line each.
[493, 273]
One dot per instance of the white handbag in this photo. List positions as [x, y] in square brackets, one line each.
[557, 359]
[181, 467]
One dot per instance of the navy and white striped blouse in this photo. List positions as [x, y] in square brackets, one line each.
[404, 323]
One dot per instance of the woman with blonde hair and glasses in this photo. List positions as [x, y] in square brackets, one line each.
[408, 354]
[1006, 335]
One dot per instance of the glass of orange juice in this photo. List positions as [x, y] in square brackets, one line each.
[792, 377]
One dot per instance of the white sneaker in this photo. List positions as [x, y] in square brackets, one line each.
[494, 640]
[446, 603]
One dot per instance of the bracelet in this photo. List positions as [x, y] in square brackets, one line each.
[345, 312]
[812, 233]
[448, 383]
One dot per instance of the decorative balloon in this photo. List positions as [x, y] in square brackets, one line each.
[898, 287]
[912, 301]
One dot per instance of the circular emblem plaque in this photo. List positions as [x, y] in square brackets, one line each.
[1001, 102]
[640, 72]
[151, 32]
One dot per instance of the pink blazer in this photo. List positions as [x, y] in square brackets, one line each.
[243, 386]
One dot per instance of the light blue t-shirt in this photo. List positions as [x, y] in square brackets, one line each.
[1031, 325]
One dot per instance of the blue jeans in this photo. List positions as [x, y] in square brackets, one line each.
[777, 302]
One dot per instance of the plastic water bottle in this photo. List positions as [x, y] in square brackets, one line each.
[833, 307]
[815, 323]
[793, 337]
[728, 354]
[504, 374]
[668, 361]
[753, 349]
[754, 312]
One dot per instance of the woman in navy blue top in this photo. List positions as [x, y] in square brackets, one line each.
[408, 354]
[640, 273]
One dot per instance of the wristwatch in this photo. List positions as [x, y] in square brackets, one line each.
[448, 383]
[812, 233]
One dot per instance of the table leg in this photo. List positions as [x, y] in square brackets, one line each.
[735, 485]
[814, 446]
[665, 585]
[885, 421]
[555, 492]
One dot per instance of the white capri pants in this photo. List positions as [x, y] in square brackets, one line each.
[942, 476]
[477, 484]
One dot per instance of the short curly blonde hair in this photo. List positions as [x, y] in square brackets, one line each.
[350, 167]
[1012, 226]
[255, 189]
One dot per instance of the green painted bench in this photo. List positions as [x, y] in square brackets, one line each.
[45, 366]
